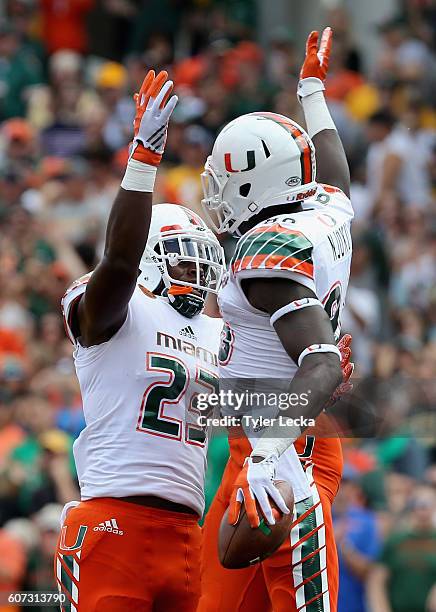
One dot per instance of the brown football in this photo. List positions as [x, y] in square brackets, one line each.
[241, 546]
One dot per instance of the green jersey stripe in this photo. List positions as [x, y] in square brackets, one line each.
[279, 246]
[282, 244]
[311, 571]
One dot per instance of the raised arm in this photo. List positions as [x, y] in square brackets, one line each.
[332, 166]
[103, 308]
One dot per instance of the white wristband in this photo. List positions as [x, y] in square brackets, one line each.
[308, 86]
[273, 445]
[139, 176]
[319, 348]
[272, 441]
[316, 113]
[293, 306]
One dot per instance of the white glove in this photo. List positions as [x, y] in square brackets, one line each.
[153, 110]
[260, 477]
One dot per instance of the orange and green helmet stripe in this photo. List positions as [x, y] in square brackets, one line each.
[301, 140]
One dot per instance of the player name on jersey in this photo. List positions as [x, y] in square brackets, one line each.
[340, 241]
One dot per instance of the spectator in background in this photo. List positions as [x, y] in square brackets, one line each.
[111, 81]
[109, 27]
[283, 58]
[251, 92]
[11, 434]
[13, 556]
[407, 566]
[404, 56]
[41, 469]
[357, 539]
[214, 97]
[65, 100]
[39, 575]
[19, 146]
[414, 271]
[19, 70]
[339, 20]
[69, 208]
[13, 183]
[23, 14]
[64, 25]
[341, 80]
[362, 312]
[154, 16]
[406, 160]
[183, 183]
[61, 109]
[285, 103]
[431, 600]
[379, 128]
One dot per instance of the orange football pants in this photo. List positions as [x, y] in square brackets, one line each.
[115, 556]
[301, 576]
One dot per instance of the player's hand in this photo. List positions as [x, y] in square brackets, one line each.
[153, 111]
[347, 367]
[255, 482]
[316, 62]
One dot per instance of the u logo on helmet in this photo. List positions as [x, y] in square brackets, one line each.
[251, 162]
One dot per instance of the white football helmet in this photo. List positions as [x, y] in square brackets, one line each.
[258, 160]
[177, 234]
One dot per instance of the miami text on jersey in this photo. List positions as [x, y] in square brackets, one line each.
[183, 346]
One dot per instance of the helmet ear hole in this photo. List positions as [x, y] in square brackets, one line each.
[244, 189]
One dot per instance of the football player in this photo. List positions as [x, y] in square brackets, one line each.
[286, 193]
[143, 351]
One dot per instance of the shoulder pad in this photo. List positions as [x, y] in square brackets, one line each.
[331, 189]
[71, 297]
[334, 198]
[274, 247]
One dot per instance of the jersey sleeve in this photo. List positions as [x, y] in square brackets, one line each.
[275, 250]
[70, 301]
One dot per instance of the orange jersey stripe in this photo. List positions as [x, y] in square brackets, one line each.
[271, 261]
[276, 229]
[249, 261]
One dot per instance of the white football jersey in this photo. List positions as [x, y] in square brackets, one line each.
[138, 391]
[312, 247]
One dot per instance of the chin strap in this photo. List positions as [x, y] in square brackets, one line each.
[184, 301]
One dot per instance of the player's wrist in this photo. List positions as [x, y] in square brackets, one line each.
[145, 154]
[308, 86]
[272, 444]
[139, 176]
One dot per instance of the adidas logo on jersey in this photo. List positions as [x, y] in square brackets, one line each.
[110, 526]
[188, 332]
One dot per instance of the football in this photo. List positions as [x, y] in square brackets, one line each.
[241, 546]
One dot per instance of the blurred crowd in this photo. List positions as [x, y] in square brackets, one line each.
[68, 70]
